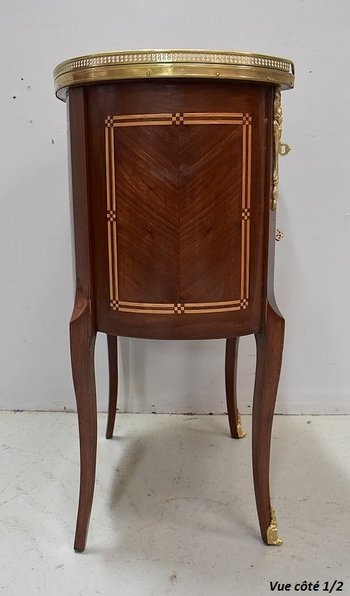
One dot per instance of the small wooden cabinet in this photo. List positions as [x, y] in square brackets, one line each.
[174, 184]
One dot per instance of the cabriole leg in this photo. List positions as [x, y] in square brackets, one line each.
[269, 358]
[82, 343]
[234, 416]
[112, 344]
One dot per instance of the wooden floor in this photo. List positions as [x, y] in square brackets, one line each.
[174, 509]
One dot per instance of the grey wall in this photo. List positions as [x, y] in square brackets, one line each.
[312, 262]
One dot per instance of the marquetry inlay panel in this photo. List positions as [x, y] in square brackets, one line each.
[121, 303]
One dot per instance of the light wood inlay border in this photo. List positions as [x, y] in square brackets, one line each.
[177, 119]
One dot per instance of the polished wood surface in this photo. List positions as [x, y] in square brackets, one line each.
[231, 358]
[112, 345]
[82, 323]
[269, 342]
[179, 209]
[171, 186]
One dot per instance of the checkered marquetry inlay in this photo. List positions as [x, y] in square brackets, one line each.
[179, 308]
[111, 215]
[177, 118]
[184, 119]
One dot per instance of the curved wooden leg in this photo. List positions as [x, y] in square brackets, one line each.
[269, 359]
[82, 342]
[234, 416]
[112, 343]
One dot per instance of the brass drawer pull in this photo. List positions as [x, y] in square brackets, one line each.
[284, 149]
[279, 235]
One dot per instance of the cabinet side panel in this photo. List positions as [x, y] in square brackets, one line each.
[179, 199]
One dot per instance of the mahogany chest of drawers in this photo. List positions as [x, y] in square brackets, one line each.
[174, 185]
